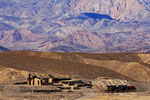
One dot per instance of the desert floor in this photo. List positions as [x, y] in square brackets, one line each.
[117, 96]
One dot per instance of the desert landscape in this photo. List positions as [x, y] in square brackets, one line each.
[74, 76]
[74, 49]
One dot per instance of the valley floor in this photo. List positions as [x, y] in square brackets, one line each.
[89, 96]
[117, 96]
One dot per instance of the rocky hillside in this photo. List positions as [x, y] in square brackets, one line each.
[75, 25]
[130, 66]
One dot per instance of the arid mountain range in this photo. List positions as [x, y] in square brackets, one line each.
[129, 66]
[75, 25]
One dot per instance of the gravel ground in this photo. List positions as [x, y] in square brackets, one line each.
[117, 96]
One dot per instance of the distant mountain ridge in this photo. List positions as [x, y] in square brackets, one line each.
[75, 25]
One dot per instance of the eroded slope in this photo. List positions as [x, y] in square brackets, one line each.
[131, 66]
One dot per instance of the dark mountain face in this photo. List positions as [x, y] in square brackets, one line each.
[5, 27]
[89, 26]
[3, 49]
[95, 16]
[16, 36]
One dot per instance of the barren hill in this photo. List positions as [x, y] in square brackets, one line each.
[130, 66]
